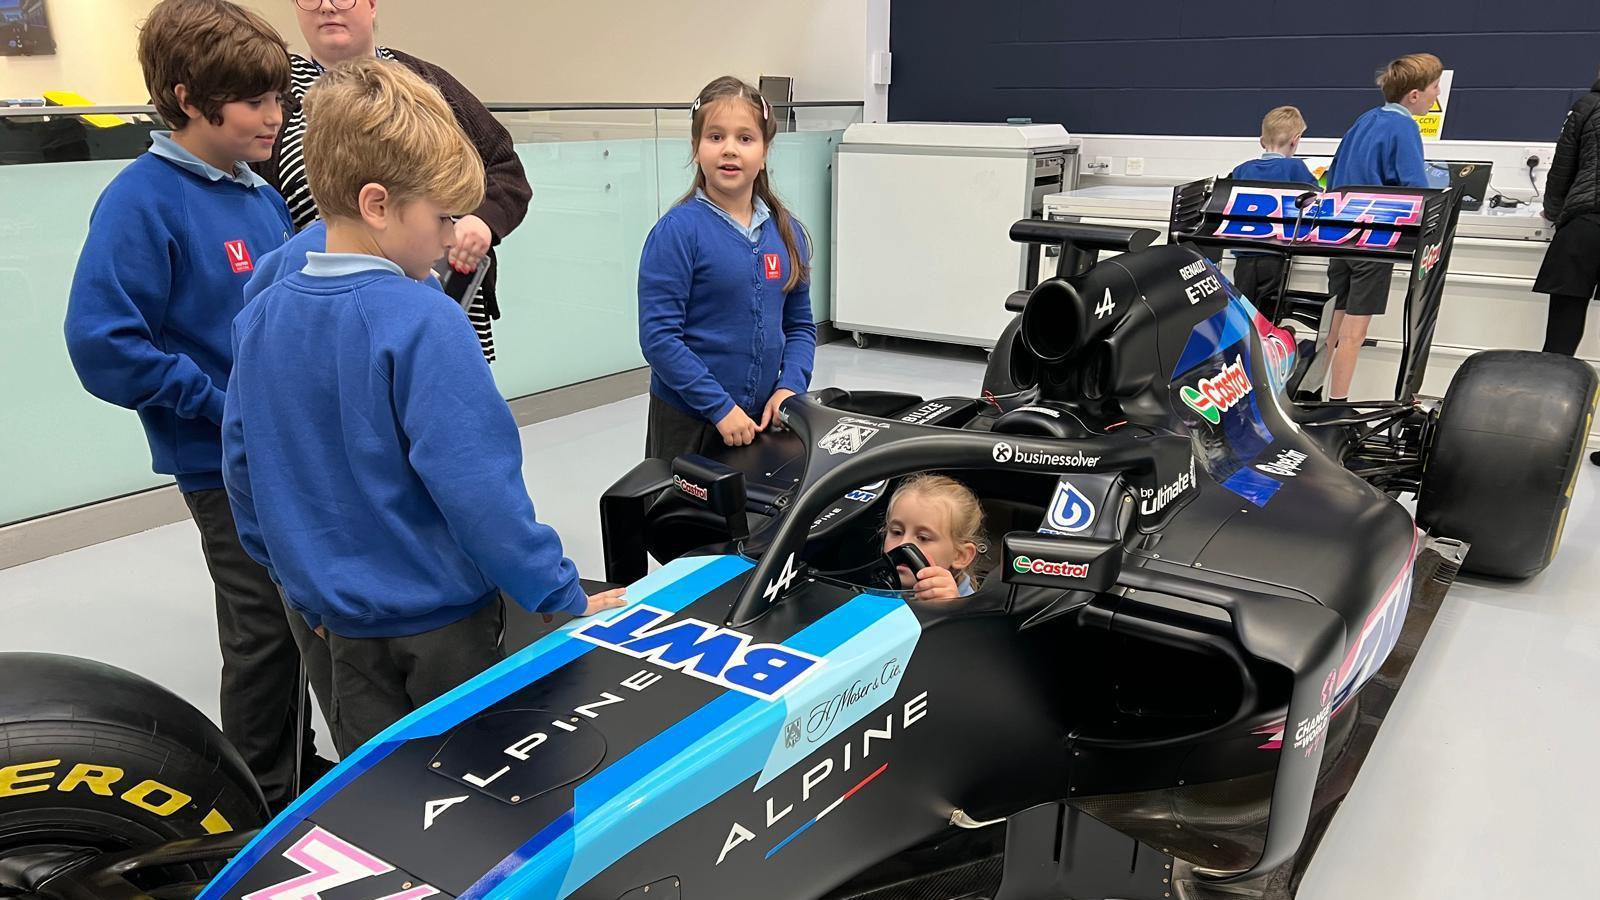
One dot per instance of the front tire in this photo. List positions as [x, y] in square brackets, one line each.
[1505, 457]
[97, 758]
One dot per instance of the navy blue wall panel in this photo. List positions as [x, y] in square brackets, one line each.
[1216, 66]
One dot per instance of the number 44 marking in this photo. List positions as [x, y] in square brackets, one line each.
[331, 862]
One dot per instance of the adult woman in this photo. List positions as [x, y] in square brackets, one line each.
[1571, 267]
[340, 30]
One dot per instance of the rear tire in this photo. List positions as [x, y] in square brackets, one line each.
[1505, 457]
[95, 757]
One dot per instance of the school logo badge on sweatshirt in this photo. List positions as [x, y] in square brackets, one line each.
[239, 257]
[774, 267]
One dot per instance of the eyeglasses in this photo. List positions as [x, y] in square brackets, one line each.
[314, 5]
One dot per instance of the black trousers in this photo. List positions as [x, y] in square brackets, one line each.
[378, 681]
[319, 665]
[1564, 327]
[260, 662]
[671, 432]
[1256, 276]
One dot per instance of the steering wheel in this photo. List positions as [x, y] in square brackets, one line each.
[885, 572]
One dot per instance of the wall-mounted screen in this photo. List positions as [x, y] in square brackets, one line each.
[25, 29]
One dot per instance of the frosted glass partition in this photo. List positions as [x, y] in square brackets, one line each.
[601, 178]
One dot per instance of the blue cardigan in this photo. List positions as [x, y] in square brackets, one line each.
[714, 321]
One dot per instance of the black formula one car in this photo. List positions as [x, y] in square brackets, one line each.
[1194, 586]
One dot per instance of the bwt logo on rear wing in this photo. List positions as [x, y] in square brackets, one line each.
[1413, 226]
[1365, 218]
[1379, 223]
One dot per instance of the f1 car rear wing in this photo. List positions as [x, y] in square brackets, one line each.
[1415, 226]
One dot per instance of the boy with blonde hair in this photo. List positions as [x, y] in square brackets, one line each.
[1382, 148]
[372, 464]
[172, 241]
[1258, 275]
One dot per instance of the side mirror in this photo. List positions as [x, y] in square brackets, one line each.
[715, 486]
[1065, 563]
[623, 510]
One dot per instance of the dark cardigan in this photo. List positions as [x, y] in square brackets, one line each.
[506, 190]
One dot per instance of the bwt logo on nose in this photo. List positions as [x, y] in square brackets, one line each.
[704, 651]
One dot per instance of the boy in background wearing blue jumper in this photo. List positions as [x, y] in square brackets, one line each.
[1382, 148]
[373, 466]
[171, 243]
[1257, 275]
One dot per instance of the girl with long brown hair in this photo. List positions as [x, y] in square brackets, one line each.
[724, 287]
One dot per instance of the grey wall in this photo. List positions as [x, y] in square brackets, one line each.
[1214, 67]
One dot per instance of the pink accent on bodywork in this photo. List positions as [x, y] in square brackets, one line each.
[1279, 345]
[1347, 670]
[331, 862]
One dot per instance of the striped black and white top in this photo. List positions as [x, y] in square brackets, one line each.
[303, 73]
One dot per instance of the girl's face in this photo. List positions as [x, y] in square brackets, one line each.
[915, 518]
[732, 149]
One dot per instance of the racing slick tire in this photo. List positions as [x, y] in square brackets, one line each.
[93, 757]
[1011, 367]
[1505, 457]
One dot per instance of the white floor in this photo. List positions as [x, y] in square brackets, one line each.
[1480, 785]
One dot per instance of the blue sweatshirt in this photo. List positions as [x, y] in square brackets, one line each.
[171, 243]
[1275, 167]
[291, 258]
[1383, 147]
[374, 468]
[714, 322]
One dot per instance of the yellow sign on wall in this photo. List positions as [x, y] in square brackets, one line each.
[1431, 123]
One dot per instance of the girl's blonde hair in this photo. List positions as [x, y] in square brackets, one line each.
[733, 89]
[966, 513]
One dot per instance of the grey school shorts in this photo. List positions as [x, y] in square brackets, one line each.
[1360, 288]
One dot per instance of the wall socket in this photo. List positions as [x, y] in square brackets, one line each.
[1100, 165]
[1532, 152]
[1135, 165]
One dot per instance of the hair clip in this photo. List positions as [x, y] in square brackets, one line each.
[694, 107]
[766, 111]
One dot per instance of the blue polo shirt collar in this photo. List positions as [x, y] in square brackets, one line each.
[162, 145]
[758, 217]
[335, 265]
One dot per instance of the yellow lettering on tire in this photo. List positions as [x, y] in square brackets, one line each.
[216, 823]
[96, 778]
[20, 774]
[139, 795]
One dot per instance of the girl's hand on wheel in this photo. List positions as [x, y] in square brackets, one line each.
[769, 415]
